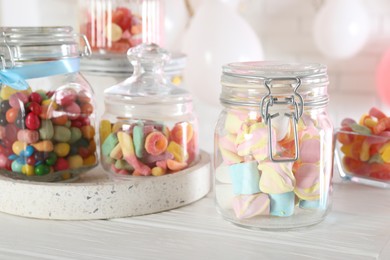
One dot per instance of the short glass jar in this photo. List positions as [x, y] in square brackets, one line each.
[114, 26]
[149, 127]
[47, 130]
[273, 145]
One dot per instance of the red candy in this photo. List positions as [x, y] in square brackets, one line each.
[61, 164]
[35, 108]
[35, 97]
[32, 121]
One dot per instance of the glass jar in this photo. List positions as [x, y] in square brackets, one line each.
[149, 126]
[273, 145]
[105, 70]
[114, 26]
[47, 130]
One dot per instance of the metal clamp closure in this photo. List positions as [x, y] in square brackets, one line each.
[297, 110]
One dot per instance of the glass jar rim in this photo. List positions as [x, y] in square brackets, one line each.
[247, 83]
[31, 44]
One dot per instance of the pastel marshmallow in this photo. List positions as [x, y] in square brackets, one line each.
[245, 177]
[309, 204]
[234, 120]
[307, 181]
[282, 205]
[230, 157]
[310, 150]
[276, 177]
[249, 206]
[254, 140]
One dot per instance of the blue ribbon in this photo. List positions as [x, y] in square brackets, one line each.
[16, 76]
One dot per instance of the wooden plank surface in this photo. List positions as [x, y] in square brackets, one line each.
[358, 227]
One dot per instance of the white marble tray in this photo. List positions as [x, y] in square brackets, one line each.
[95, 196]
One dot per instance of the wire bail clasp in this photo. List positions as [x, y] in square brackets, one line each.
[297, 110]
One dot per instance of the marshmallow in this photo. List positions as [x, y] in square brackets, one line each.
[282, 204]
[253, 140]
[248, 206]
[307, 181]
[234, 120]
[310, 150]
[309, 204]
[276, 178]
[245, 177]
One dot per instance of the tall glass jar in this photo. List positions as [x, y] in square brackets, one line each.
[149, 127]
[273, 145]
[114, 26]
[47, 130]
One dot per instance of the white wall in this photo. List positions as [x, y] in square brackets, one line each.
[38, 13]
[284, 28]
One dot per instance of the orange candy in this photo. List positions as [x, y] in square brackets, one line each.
[87, 109]
[182, 133]
[88, 131]
[11, 115]
[60, 120]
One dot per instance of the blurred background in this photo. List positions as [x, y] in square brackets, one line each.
[351, 37]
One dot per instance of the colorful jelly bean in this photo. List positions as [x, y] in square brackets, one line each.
[42, 132]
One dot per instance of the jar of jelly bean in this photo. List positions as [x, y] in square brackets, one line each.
[149, 127]
[47, 130]
[114, 26]
[273, 145]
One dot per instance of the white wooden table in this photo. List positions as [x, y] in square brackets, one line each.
[358, 227]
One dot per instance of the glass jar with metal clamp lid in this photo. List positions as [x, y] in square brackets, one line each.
[273, 145]
[47, 110]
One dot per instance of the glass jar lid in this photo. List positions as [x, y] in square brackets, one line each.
[148, 84]
[247, 83]
[31, 44]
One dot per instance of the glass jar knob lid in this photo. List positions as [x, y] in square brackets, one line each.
[148, 79]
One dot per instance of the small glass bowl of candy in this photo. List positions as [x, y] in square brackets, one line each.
[363, 151]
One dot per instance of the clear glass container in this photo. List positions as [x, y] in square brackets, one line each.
[105, 70]
[114, 26]
[362, 149]
[149, 127]
[47, 110]
[273, 145]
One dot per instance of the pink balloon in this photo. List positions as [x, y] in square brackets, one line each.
[383, 78]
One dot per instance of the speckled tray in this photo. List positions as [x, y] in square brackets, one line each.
[95, 196]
